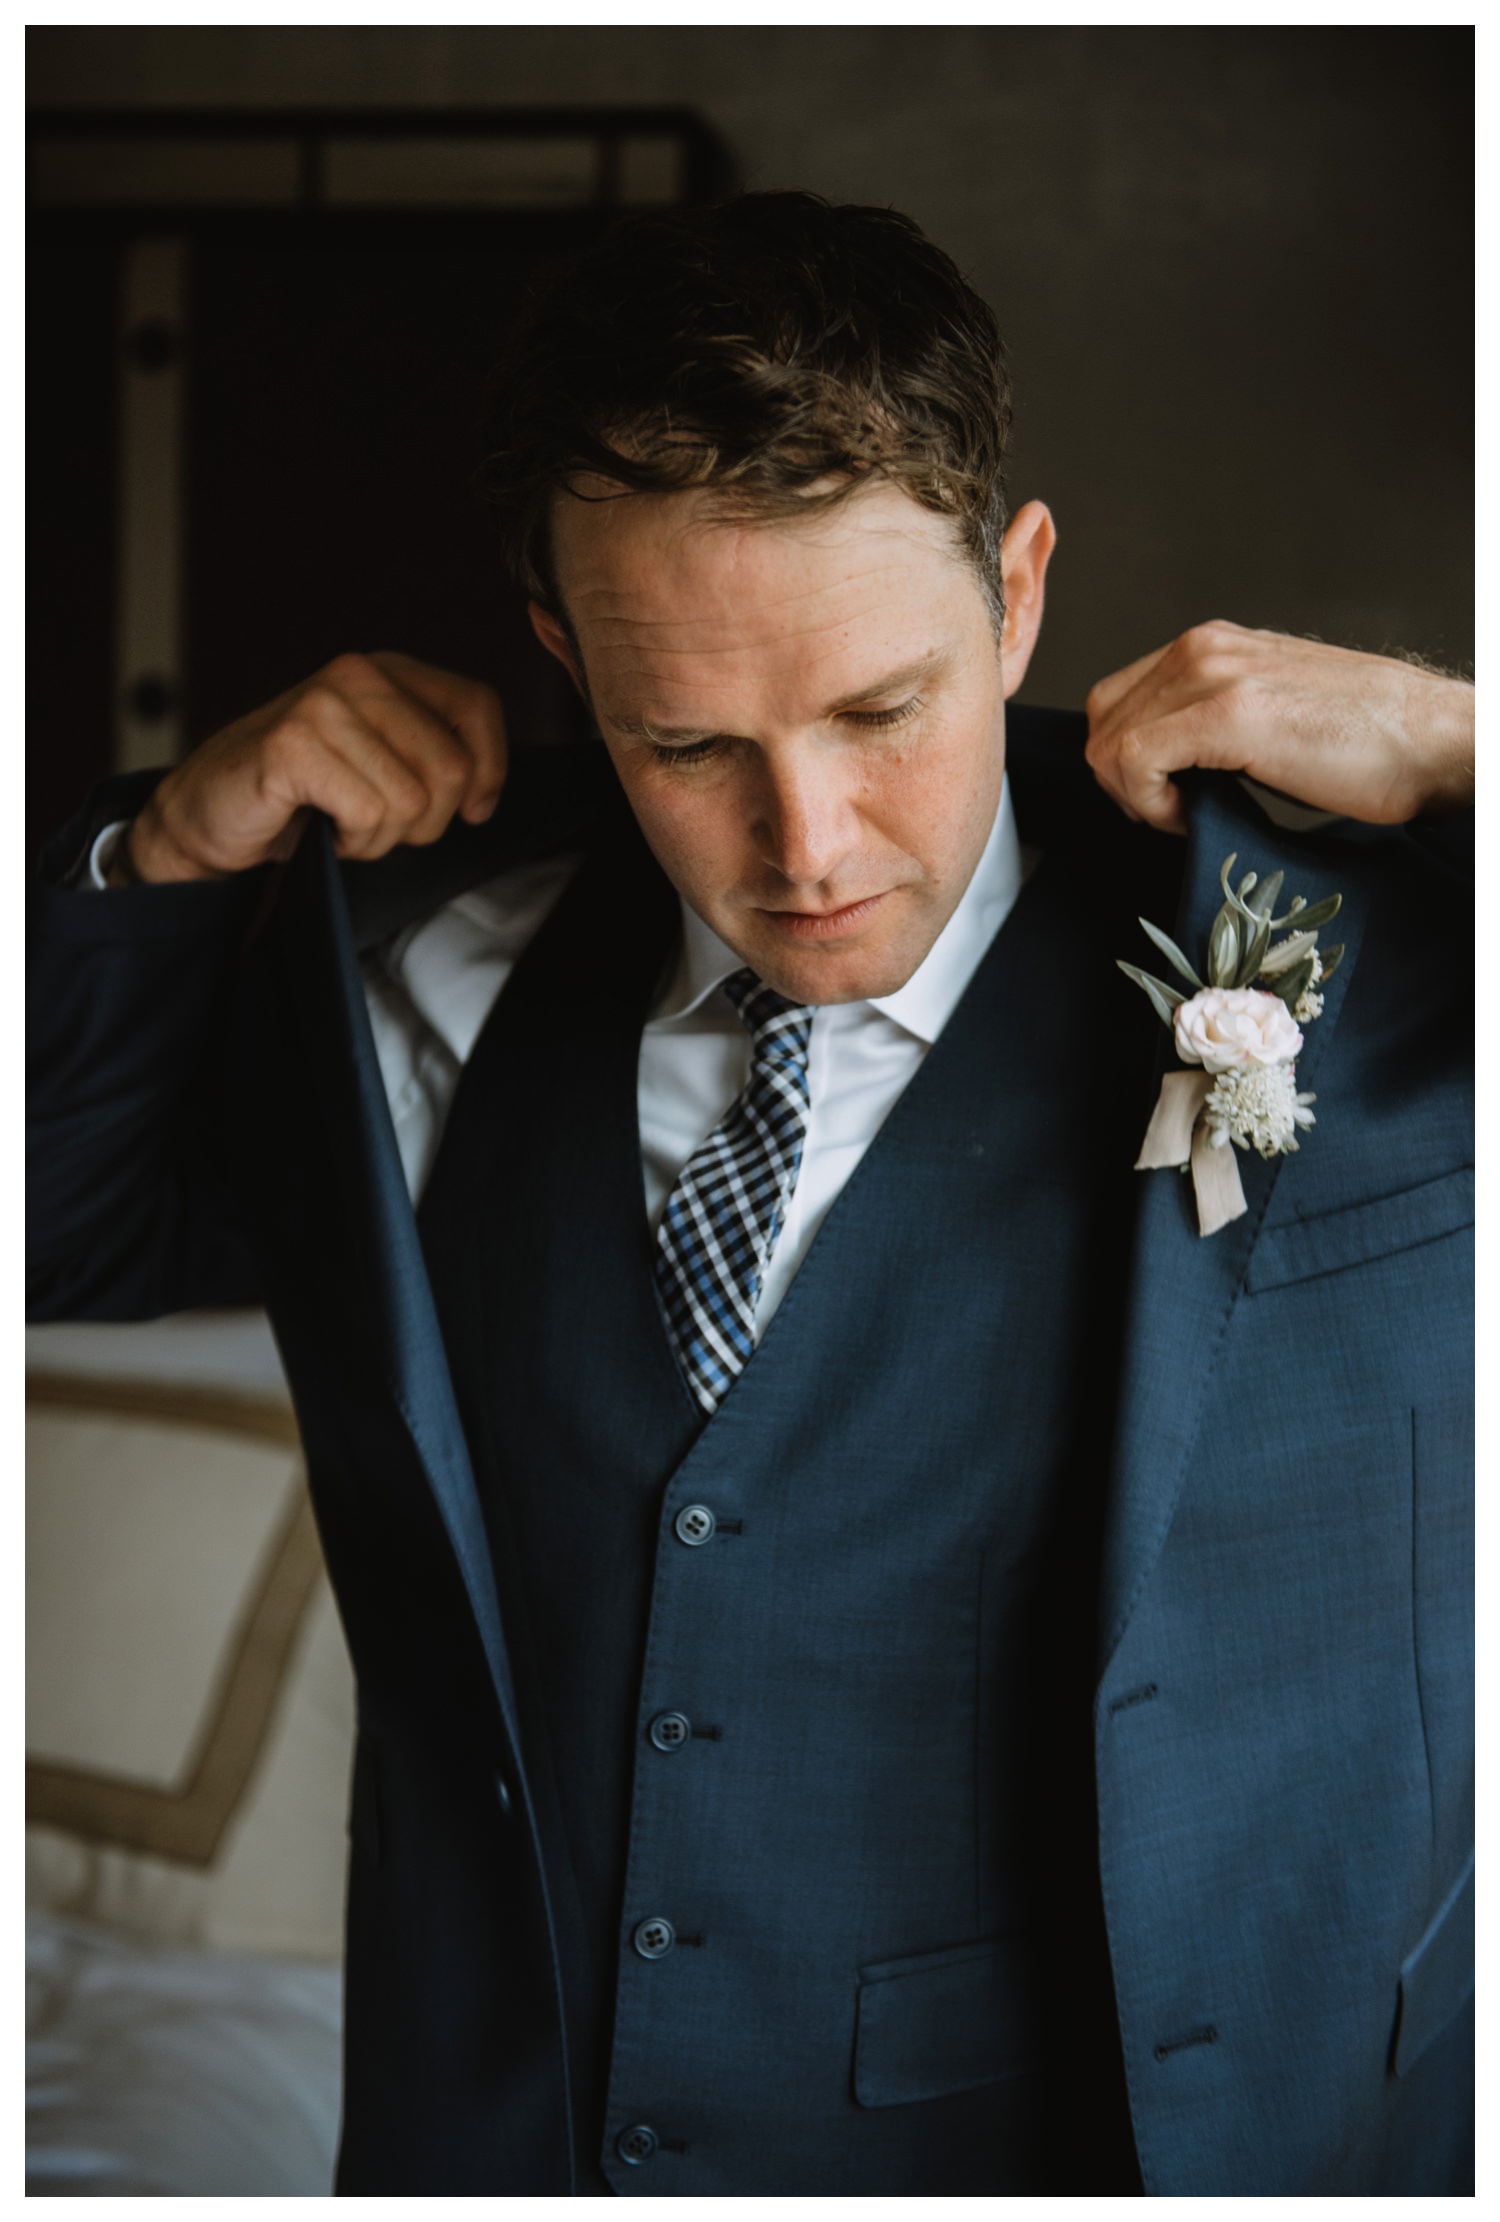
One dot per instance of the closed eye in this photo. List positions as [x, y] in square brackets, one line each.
[692, 752]
[688, 753]
[878, 721]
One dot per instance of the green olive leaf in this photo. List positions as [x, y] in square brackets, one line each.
[1250, 962]
[1318, 914]
[1171, 952]
[1290, 985]
[1290, 952]
[1266, 893]
[1164, 1000]
[1224, 871]
[1224, 949]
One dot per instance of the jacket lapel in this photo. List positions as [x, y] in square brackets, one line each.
[1182, 1288]
[339, 1048]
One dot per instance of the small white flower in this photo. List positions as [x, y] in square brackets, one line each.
[1257, 1107]
[1309, 1003]
[1223, 1029]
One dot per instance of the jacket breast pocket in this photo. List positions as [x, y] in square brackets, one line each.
[938, 2023]
[1358, 1234]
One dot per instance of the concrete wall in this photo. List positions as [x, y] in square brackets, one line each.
[1233, 267]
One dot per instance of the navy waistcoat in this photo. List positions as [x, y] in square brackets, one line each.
[805, 1691]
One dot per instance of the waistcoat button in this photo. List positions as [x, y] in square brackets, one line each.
[654, 1939]
[670, 1731]
[694, 1524]
[636, 2146]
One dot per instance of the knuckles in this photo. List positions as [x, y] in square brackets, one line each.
[1132, 751]
[320, 703]
[448, 771]
[293, 739]
[1209, 654]
[350, 673]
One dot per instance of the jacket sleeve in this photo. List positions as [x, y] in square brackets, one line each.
[130, 1210]
[1448, 843]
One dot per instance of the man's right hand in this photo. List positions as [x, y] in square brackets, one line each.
[390, 748]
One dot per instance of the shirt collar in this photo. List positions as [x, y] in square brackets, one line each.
[927, 1000]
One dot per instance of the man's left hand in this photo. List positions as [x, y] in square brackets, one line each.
[1368, 737]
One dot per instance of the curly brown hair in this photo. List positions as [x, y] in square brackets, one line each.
[760, 348]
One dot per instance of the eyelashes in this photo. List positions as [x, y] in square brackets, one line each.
[868, 721]
[696, 752]
[880, 721]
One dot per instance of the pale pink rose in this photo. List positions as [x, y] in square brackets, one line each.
[1220, 1028]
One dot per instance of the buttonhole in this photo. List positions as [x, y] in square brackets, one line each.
[731, 1527]
[1142, 1696]
[667, 2146]
[688, 1940]
[710, 1735]
[1207, 2035]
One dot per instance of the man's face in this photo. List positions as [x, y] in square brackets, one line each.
[808, 718]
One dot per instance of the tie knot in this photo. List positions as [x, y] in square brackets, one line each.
[761, 1007]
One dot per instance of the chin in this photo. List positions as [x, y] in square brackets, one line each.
[834, 976]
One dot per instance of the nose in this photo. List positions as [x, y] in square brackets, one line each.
[806, 819]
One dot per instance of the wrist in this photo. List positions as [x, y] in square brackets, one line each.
[1448, 732]
[149, 855]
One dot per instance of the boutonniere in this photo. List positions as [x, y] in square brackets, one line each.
[1241, 1032]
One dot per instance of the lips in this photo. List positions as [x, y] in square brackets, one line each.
[817, 925]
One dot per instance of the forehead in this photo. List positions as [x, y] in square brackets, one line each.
[667, 581]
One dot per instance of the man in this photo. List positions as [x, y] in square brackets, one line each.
[888, 1663]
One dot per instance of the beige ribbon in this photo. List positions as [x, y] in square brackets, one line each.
[1177, 1137]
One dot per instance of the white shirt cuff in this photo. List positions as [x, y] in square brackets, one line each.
[102, 854]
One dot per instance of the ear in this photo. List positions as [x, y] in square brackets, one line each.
[1025, 553]
[555, 638]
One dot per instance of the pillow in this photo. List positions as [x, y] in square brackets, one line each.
[189, 1715]
[154, 2071]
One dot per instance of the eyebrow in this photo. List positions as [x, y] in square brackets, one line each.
[893, 682]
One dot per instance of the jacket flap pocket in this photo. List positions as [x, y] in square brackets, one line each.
[939, 2022]
[1361, 1233]
[1437, 1975]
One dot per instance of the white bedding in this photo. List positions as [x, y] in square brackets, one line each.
[153, 2070]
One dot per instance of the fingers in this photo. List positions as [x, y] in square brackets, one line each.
[1135, 762]
[328, 756]
[1183, 704]
[444, 733]
[472, 714]
[1105, 694]
[391, 749]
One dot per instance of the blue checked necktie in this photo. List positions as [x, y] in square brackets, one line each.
[723, 1217]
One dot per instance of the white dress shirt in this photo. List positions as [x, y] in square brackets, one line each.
[430, 989]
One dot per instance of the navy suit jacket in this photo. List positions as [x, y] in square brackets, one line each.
[1284, 1637]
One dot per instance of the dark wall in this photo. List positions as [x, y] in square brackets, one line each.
[1233, 267]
